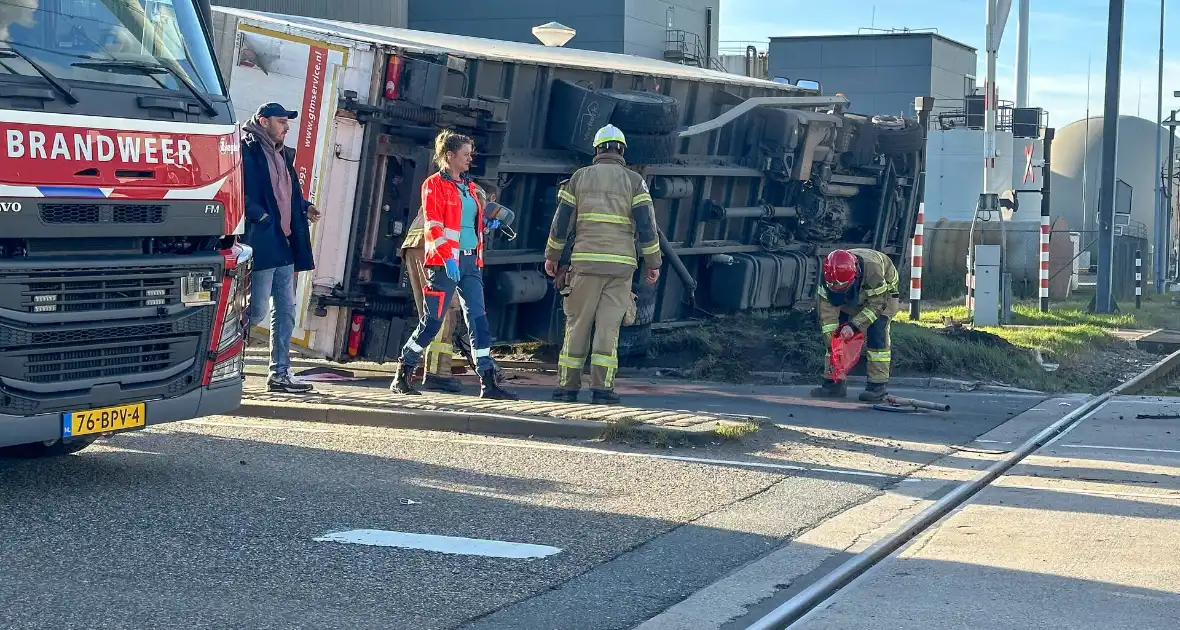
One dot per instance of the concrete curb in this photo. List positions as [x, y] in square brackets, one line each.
[468, 422]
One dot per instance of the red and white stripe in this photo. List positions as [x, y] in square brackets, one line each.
[1044, 257]
[916, 256]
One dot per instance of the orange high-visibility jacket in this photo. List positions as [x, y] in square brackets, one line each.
[442, 206]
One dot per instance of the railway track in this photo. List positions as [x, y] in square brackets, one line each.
[846, 574]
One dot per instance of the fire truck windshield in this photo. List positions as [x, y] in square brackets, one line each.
[70, 40]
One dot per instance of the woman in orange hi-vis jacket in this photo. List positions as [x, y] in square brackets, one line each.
[453, 238]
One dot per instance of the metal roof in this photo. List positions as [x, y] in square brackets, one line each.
[895, 35]
[505, 51]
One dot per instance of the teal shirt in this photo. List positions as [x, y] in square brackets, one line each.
[468, 238]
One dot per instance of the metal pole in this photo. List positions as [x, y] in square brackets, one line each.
[1171, 189]
[1046, 179]
[916, 265]
[1160, 254]
[1022, 56]
[923, 105]
[1103, 299]
[1138, 279]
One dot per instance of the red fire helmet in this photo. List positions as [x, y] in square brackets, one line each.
[840, 270]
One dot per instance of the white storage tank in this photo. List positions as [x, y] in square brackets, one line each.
[1135, 166]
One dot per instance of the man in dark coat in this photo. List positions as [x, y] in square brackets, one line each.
[277, 228]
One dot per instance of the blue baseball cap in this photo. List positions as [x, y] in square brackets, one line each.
[274, 110]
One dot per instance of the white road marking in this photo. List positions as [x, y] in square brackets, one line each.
[991, 442]
[240, 425]
[441, 544]
[583, 449]
[1099, 447]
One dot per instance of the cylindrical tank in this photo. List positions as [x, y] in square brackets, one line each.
[1135, 165]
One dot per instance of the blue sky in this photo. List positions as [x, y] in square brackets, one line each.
[1063, 34]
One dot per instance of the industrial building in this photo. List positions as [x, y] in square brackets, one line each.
[393, 13]
[879, 72]
[680, 31]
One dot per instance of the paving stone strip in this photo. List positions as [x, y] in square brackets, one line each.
[470, 414]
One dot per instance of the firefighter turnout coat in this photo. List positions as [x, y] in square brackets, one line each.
[868, 306]
[607, 211]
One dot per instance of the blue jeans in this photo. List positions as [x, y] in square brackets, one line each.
[277, 285]
[439, 291]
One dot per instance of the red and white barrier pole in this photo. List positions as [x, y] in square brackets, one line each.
[1044, 262]
[916, 264]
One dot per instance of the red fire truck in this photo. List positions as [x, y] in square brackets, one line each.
[122, 283]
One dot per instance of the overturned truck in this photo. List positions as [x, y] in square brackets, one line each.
[753, 181]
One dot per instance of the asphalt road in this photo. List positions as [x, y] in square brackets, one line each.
[212, 523]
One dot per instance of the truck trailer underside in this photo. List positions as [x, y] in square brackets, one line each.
[746, 207]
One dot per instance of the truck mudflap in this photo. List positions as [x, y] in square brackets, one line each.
[204, 401]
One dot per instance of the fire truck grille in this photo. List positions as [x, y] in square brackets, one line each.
[99, 290]
[81, 213]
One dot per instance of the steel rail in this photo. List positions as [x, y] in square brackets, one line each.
[806, 600]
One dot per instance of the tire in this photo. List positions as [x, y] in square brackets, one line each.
[37, 450]
[643, 112]
[645, 303]
[898, 140]
[649, 149]
[634, 341]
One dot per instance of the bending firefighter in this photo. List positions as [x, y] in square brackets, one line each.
[858, 294]
[453, 238]
[604, 208]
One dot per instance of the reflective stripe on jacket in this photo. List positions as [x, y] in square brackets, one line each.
[442, 208]
[875, 285]
[608, 209]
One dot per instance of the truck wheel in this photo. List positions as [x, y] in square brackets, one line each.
[634, 341]
[643, 112]
[650, 149]
[897, 136]
[53, 448]
[645, 303]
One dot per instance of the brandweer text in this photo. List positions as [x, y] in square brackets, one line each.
[90, 146]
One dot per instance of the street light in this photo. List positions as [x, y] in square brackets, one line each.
[554, 34]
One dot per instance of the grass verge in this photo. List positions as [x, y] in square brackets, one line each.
[735, 430]
[1077, 354]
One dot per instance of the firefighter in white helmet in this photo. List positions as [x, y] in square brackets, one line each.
[606, 209]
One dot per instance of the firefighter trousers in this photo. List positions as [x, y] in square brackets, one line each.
[877, 349]
[595, 303]
[440, 352]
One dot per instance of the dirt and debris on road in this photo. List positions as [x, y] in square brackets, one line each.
[732, 348]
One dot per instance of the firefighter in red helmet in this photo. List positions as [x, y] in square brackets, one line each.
[858, 294]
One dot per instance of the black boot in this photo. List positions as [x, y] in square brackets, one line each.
[565, 395]
[604, 397]
[401, 382]
[443, 384]
[831, 389]
[874, 393]
[490, 389]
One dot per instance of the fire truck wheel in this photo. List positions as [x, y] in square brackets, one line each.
[643, 112]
